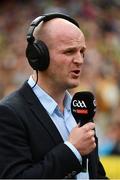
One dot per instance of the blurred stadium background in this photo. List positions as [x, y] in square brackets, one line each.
[100, 22]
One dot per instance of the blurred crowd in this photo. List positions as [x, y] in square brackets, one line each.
[100, 22]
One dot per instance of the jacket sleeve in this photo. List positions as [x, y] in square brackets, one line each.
[16, 158]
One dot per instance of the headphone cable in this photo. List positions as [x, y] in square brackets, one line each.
[36, 79]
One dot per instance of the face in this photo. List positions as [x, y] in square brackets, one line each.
[66, 50]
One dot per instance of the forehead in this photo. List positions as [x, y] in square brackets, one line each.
[64, 32]
[71, 37]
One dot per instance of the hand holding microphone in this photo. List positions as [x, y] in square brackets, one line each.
[83, 138]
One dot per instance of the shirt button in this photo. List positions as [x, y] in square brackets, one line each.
[74, 173]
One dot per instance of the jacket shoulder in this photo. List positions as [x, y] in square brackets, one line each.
[16, 100]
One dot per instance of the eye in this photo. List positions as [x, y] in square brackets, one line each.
[82, 52]
[70, 51]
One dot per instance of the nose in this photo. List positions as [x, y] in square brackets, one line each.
[78, 59]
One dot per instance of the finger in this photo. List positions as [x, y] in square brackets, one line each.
[93, 139]
[89, 126]
[90, 149]
[78, 125]
[90, 134]
[92, 146]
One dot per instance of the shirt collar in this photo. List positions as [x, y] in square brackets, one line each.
[46, 100]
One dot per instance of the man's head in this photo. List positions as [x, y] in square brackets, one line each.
[37, 51]
[64, 47]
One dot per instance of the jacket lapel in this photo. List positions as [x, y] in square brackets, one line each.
[40, 113]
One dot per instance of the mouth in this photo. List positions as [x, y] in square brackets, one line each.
[75, 73]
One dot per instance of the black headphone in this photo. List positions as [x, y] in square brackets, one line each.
[37, 52]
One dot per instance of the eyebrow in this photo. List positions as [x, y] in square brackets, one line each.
[74, 48]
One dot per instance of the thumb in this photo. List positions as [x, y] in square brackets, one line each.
[78, 125]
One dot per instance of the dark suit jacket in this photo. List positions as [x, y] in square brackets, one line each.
[30, 144]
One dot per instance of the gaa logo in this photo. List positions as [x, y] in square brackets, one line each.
[78, 103]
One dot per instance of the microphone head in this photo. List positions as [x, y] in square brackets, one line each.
[83, 107]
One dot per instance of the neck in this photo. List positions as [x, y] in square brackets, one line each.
[57, 93]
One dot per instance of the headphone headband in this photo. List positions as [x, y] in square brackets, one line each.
[45, 18]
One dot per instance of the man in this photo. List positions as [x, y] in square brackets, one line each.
[39, 138]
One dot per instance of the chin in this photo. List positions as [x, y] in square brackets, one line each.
[73, 85]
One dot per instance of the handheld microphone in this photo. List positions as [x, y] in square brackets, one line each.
[83, 108]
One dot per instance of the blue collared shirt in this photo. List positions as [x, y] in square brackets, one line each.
[63, 121]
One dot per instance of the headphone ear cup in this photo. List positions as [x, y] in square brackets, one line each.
[38, 55]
